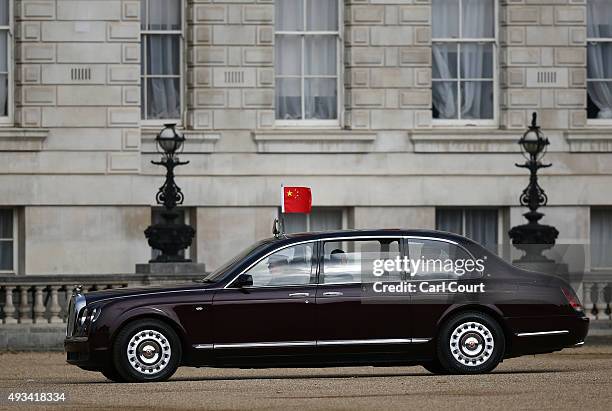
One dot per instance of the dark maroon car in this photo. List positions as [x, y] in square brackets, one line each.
[332, 299]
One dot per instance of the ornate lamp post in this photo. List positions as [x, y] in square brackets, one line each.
[533, 237]
[169, 236]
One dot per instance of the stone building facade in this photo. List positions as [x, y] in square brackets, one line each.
[370, 127]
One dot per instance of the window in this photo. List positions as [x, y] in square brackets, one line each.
[601, 238]
[320, 219]
[6, 63]
[480, 225]
[8, 231]
[464, 69]
[440, 260]
[307, 56]
[599, 61]
[353, 261]
[289, 266]
[161, 59]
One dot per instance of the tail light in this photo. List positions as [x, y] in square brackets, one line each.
[572, 298]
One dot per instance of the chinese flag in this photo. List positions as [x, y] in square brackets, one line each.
[297, 200]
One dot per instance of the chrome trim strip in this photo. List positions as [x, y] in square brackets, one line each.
[312, 343]
[534, 334]
[369, 341]
[580, 344]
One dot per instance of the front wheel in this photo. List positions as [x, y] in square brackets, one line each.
[146, 351]
[470, 343]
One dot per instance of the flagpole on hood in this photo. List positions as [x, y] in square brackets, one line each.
[279, 223]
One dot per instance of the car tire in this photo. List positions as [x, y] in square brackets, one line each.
[435, 367]
[146, 351]
[112, 374]
[470, 343]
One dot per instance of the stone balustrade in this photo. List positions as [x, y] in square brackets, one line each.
[597, 296]
[44, 299]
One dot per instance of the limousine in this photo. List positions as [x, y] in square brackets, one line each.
[315, 300]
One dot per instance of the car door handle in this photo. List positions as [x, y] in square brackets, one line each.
[299, 295]
[332, 294]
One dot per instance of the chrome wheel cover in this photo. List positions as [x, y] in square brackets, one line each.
[148, 352]
[471, 344]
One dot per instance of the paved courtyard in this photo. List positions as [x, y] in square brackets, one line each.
[578, 379]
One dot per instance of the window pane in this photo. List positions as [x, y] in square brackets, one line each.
[4, 12]
[289, 15]
[322, 15]
[163, 54]
[444, 61]
[601, 238]
[143, 14]
[288, 55]
[599, 18]
[481, 226]
[476, 61]
[476, 99]
[478, 18]
[164, 15]
[163, 98]
[320, 55]
[444, 96]
[6, 224]
[599, 60]
[289, 266]
[445, 18]
[320, 98]
[325, 220]
[288, 99]
[449, 220]
[6, 255]
[295, 223]
[439, 260]
[600, 99]
[353, 261]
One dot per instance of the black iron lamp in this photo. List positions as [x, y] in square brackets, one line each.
[170, 236]
[533, 237]
[169, 140]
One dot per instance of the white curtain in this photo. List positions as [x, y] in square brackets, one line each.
[476, 60]
[599, 56]
[601, 238]
[480, 225]
[320, 59]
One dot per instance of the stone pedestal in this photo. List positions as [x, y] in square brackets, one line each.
[171, 268]
[545, 267]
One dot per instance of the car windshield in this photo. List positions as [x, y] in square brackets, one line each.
[218, 273]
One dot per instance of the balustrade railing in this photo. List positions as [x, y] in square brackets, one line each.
[44, 299]
[597, 296]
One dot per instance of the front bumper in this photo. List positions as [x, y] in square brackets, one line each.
[79, 353]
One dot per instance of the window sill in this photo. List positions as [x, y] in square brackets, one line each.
[466, 140]
[22, 139]
[196, 141]
[313, 141]
[595, 140]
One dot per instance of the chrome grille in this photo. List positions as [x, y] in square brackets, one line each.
[71, 318]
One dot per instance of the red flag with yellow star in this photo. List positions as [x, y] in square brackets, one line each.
[297, 200]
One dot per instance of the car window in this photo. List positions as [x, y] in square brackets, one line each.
[288, 266]
[434, 259]
[353, 261]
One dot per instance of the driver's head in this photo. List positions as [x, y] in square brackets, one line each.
[276, 263]
[338, 256]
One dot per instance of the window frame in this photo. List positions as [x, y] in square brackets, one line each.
[596, 122]
[9, 119]
[14, 240]
[494, 122]
[182, 65]
[315, 123]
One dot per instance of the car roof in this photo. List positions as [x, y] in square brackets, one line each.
[319, 235]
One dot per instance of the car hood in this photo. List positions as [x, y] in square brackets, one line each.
[95, 296]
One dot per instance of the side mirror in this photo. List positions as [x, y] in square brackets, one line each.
[244, 280]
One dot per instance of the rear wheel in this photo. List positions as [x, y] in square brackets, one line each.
[112, 374]
[146, 351]
[434, 367]
[470, 343]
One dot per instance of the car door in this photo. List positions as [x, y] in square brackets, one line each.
[274, 316]
[351, 316]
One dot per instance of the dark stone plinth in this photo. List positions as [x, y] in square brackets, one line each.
[171, 268]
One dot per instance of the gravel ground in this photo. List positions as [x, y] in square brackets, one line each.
[574, 378]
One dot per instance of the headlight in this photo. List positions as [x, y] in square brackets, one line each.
[88, 316]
